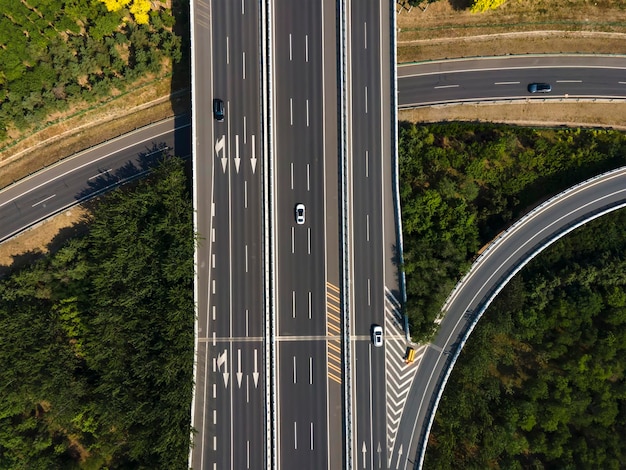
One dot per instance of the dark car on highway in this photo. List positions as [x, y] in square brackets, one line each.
[539, 88]
[218, 109]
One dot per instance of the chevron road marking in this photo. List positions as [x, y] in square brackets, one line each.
[333, 329]
[399, 374]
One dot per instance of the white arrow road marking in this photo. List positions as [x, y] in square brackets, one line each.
[255, 374]
[399, 457]
[364, 451]
[222, 359]
[220, 147]
[239, 373]
[378, 451]
[253, 159]
[237, 159]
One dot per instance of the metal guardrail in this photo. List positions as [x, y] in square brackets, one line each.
[396, 174]
[194, 185]
[345, 245]
[269, 198]
[505, 280]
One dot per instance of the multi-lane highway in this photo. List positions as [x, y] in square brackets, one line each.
[229, 406]
[231, 409]
[372, 236]
[308, 350]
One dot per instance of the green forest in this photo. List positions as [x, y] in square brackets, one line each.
[57, 52]
[540, 383]
[96, 340]
[461, 184]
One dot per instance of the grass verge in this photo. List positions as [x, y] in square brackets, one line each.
[447, 29]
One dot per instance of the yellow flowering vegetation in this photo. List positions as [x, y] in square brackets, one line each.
[138, 8]
[480, 6]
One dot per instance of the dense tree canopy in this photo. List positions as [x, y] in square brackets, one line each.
[461, 184]
[55, 51]
[541, 382]
[96, 341]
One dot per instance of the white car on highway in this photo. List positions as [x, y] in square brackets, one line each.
[300, 213]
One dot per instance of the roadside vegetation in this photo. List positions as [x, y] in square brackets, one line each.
[462, 184]
[468, 28]
[540, 383]
[96, 340]
[59, 57]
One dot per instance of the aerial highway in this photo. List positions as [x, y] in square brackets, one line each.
[307, 333]
[229, 405]
[373, 266]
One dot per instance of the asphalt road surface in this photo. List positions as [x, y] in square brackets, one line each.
[308, 390]
[229, 406]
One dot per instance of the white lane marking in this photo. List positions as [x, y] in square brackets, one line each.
[245, 130]
[369, 292]
[243, 12]
[214, 390]
[367, 227]
[214, 442]
[213, 260]
[295, 375]
[100, 174]
[247, 450]
[213, 234]
[212, 209]
[245, 194]
[213, 313]
[291, 110]
[308, 177]
[214, 416]
[306, 47]
[293, 303]
[246, 247]
[227, 51]
[253, 157]
[307, 113]
[622, 83]
[213, 282]
[290, 49]
[79, 167]
[214, 338]
[293, 241]
[43, 200]
[247, 389]
[243, 65]
[247, 322]
[308, 231]
[295, 435]
[310, 304]
[311, 436]
[367, 163]
[365, 100]
[569, 81]
[371, 411]
[291, 174]
[365, 35]
[506, 83]
[310, 370]
[446, 86]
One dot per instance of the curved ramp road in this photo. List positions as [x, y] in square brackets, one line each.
[505, 257]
